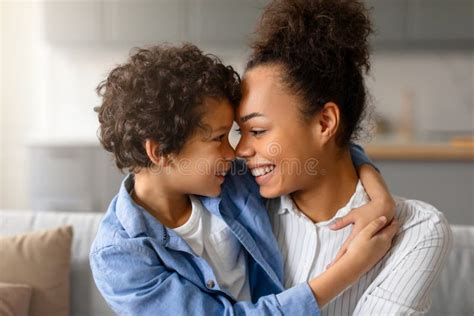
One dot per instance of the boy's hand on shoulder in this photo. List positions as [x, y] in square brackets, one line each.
[361, 217]
[369, 246]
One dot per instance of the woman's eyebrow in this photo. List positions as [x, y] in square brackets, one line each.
[250, 116]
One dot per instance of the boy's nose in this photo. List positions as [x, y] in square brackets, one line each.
[229, 153]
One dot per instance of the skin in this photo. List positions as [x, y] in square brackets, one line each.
[275, 136]
[164, 189]
[269, 117]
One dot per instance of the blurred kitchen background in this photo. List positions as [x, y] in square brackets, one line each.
[54, 53]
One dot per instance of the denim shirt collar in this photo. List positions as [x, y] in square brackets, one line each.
[137, 221]
[134, 218]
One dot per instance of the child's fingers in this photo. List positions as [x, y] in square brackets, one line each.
[391, 230]
[374, 226]
[341, 252]
[342, 222]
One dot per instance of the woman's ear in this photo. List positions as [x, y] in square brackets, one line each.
[327, 122]
[152, 150]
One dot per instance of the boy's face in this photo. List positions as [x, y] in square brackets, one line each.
[279, 147]
[206, 157]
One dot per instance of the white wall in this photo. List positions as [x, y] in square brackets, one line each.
[21, 95]
[49, 91]
[1, 102]
[442, 84]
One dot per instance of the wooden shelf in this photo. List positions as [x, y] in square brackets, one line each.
[432, 152]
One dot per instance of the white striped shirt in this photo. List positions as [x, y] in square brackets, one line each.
[399, 284]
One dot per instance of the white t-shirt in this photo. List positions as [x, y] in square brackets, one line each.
[209, 237]
[399, 284]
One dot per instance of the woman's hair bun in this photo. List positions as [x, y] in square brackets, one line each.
[326, 32]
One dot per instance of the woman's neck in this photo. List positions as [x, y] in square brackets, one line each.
[321, 200]
[172, 209]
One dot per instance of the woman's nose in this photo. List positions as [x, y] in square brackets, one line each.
[244, 149]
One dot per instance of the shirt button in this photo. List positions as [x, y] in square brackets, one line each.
[210, 284]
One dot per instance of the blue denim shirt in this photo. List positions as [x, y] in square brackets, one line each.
[143, 268]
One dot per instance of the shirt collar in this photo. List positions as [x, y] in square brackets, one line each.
[287, 205]
[358, 199]
[134, 219]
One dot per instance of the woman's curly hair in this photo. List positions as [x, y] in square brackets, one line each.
[323, 48]
[158, 94]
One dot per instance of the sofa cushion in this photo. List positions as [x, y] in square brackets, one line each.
[40, 259]
[85, 298]
[14, 299]
[454, 293]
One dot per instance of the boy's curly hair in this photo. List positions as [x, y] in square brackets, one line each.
[322, 46]
[158, 94]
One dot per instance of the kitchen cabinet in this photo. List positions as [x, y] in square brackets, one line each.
[447, 185]
[440, 20]
[71, 177]
[207, 23]
[389, 17]
[418, 24]
[223, 23]
[441, 174]
[229, 23]
[144, 22]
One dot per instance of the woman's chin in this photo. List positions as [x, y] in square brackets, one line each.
[270, 192]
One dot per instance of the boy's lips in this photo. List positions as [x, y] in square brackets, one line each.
[222, 173]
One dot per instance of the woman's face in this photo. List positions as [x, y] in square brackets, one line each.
[279, 146]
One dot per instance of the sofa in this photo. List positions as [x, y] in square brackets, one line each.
[453, 295]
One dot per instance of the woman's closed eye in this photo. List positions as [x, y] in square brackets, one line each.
[253, 132]
[257, 132]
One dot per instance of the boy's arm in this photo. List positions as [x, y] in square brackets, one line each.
[372, 181]
[381, 201]
[359, 157]
[134, 281]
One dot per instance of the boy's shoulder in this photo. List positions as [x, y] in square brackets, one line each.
[113, 234]
[108, 229]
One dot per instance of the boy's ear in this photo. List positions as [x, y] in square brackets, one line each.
[152, 150]
[326, 122]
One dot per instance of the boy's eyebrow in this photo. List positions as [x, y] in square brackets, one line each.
[222, 129]
[250, 116]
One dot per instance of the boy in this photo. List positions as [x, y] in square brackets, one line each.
[172, 241]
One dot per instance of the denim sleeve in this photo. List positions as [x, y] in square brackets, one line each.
[134, 281]
[359, 157]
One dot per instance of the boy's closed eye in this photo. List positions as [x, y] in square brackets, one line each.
[219, 138]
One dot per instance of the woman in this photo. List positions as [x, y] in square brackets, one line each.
[303, 100]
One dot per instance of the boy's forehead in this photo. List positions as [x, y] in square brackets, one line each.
[218, 114]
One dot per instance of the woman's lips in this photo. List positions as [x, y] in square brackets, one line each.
[263, 173]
